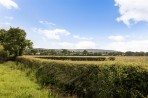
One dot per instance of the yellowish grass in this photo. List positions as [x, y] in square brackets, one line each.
[120, 60]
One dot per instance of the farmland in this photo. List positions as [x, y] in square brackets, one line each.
[126, 77]
[76, 76]
[73, 49]
[138, 59]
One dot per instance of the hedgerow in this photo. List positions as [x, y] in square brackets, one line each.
[92, 80]
[78, 58]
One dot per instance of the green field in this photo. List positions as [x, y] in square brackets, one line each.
[15, 84]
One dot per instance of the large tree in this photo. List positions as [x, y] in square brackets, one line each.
[85, 52]
[14, 41]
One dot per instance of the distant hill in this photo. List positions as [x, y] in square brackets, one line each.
[80, 50]
[91, 50]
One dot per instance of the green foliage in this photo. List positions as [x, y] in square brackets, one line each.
[85, 52]
[15, 84]
[52, 52]
[34, 51]
[14, 40]
[76, 58]
[2, 35]
[65, 52]
[1, 47]
[92, 80]
[3, 55]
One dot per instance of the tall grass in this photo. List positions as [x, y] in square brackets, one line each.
[15, 84]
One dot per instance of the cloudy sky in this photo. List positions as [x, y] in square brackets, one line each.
[80, 24]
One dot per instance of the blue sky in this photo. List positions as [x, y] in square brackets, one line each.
[80, 24]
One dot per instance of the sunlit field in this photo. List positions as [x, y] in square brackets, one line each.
[73, 48]
[15, 84]
[126, 59]
[142, 59]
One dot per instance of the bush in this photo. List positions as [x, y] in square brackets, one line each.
[3, 55]
[92, 80]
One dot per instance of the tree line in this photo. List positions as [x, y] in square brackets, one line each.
[66, 52]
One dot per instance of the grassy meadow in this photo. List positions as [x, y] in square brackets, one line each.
[15, 84]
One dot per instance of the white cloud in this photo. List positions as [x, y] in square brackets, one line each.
[116, 38]
[47, 23]
[133, 45]
[86, 45]
[54, 34]
[132, 11]
[82, 38]
[9, 4]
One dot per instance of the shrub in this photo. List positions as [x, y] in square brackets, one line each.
[92, 80]
[3, 55]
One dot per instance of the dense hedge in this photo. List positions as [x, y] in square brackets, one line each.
[78, 58]
[92, 80]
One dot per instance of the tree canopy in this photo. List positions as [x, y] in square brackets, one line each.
[14, 41]
[85, 52]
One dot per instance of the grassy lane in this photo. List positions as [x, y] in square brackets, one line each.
[14, 84]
